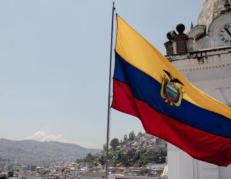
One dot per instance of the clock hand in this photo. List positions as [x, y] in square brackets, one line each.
[227, 30]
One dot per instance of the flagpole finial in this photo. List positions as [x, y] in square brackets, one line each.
[113, 5]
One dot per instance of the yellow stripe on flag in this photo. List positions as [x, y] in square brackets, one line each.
[138, 52]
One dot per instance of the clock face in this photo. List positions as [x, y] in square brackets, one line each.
[220, 30]
[225, 34]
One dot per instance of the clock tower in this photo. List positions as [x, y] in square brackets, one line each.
[204, 56]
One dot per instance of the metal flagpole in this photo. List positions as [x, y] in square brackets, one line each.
[109, 91]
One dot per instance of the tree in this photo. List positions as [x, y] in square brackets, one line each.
[115, 157]
[129, 157]
[89, 158]
[114, 143]
[102, 159]
[125, 138]
[140, 134]
[132, 135]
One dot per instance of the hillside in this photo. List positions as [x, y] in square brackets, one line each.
[132, 151]
[41, 153]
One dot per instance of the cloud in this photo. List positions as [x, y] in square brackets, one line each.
[46, 136]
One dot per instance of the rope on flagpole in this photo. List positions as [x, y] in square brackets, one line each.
[109, 92]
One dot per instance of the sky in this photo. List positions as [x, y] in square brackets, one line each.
[54, 64]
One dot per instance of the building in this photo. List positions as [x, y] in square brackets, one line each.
[204, 56]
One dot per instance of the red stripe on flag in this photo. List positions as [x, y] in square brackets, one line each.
[199, 144]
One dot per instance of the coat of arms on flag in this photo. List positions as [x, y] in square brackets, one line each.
[171, 89]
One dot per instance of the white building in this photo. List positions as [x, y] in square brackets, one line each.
[204, 56]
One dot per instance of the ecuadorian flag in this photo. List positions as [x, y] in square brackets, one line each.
[148, 86]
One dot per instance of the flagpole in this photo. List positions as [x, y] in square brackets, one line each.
[109, 91]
